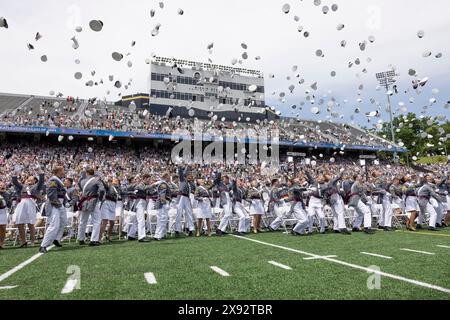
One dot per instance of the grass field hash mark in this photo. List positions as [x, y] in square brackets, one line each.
[280, 265]
[354, 266]
[442, 246]
[375, 255]
[319, 257]
[223, 273]
[418, 251]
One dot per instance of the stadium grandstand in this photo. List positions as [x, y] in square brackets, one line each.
[54, 116]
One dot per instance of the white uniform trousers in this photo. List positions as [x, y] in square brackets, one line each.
[282, 211]
[338, 210]
[302, 218]
[362, 214]
[244, 218]
[315, 208]
[138, 223]
[56, 223]
[424, 208]
[95, 220]
[3, 217]
[184, 206]
[386, 213]
[227, 212]
[162, 218]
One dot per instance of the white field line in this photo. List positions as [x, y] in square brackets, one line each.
[319, 257]
[22, 265]
[7, 287]
[280, 265]
[441, 246]
[69, 286]
[220, 271]
[354, 266]
[376, 255]
[150, 277]
[417, 251]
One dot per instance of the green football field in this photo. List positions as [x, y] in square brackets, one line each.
[263, 266]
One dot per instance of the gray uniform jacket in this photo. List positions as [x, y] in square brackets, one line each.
[92, 189]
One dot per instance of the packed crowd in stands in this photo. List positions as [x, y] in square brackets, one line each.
[67, 114]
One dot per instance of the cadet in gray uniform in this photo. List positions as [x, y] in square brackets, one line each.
[334, 199]
[25, 212]
[92, 190]
[424, 195]
[57, 215]
[108, 208]
[441, 208]
[184, 201]
[162, 206]
[279, 196]
[4, 205]
[140, 193]
[238, 196]
[224, 188]
[202, 196]
[358, 202]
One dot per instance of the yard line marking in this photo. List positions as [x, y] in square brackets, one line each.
[150, 277]
[441, 246]
[7, 287]
[376, 255]
[425, 233]
[417, 251]
[69, 286]
[354, 266]
[318, 258]
[282, 266]
[22, 265]
[220, 271]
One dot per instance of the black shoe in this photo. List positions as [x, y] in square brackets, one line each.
[388, 229]
[296, 234]
[432, 229]
[219, 232]
[57, 244]
[123, 234]
[270, 229]
[81, 242]
[356, 230]
[368, 231]
[157, 239]
[177, 234]
[191, 233]
[42, 250]
[380, 227]
[438, 225]
[144, 240]
[344, 231]
[336, 231]
[241, 233]
[94, 244]
[24, 245]
[419, 227]
[131, 239]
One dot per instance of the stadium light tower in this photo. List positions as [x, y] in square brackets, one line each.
[386, 79]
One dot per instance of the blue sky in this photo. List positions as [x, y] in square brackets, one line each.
[268, 32]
